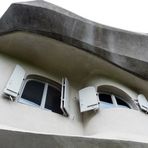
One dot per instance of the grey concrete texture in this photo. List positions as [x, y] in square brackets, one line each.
[19, 139]
[124, 49]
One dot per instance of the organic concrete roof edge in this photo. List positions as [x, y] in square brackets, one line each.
[58, 9]
[126, 50]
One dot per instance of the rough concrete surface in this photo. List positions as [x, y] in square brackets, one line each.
[126, 50]
[19, 139]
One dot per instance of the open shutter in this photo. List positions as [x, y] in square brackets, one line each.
[15, 81]
[143, 103]
[88, 99]
[65, 96]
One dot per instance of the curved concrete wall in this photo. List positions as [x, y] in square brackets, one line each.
[116, 123]
[119, 124]
[90, 54]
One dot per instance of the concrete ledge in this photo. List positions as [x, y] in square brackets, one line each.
[17, 139]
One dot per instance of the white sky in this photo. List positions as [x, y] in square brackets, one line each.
[125, 14]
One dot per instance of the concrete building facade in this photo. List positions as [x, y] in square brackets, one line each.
[68, 82]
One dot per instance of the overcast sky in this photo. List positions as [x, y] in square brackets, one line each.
[125, 14]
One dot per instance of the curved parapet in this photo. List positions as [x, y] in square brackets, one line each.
[18, 138]
[125, 49]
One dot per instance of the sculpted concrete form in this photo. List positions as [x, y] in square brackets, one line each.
[18, 139]
[126, 50]
[35, 29]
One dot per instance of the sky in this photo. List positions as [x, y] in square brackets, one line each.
[129, 15]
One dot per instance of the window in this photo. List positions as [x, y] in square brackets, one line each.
[38, 91]
[114, 97]
[121, 103]
[105, 100]
[33, 92]
[53, 99]
[42, 94]
[108, 100]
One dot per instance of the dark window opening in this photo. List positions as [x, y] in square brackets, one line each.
[33, 91]
[105, 98]
[121, 102]
[109, 100]
[42, 94]
[53, 100]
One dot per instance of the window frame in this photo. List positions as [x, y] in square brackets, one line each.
[114, 100]
[107, 88]
[47, 82]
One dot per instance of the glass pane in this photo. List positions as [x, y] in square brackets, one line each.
[33, 91]
[106, 101]
[105, 98]
[53, 100]
[121, 103]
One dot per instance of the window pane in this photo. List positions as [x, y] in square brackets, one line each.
[105, 98]
[121, 103]
[53, 100]
[106, 101]
[33, 91]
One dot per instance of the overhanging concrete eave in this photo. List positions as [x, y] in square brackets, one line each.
[132, 65]
[124, 49]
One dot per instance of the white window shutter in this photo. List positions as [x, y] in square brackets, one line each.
[143, 103]
[14, 83]
[65, 94]
[88, 99]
